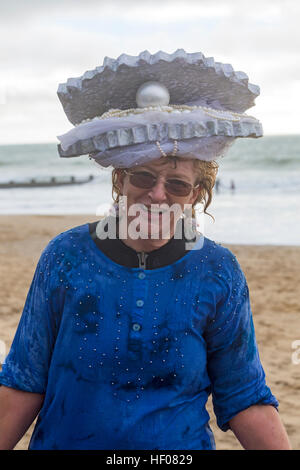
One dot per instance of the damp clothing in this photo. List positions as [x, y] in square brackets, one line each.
[127, 354]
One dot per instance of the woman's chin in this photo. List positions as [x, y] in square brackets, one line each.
[156, 226]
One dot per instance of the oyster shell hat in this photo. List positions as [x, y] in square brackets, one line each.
[137, 108]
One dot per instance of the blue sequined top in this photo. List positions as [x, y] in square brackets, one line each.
[127, 357]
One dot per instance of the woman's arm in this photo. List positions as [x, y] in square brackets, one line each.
[18, 410]
[259, 427]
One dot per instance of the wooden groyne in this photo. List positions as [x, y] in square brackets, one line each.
[53, 182]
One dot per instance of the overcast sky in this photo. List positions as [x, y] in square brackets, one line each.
[44, 42]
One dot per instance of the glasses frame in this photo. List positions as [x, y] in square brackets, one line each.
[165, 180]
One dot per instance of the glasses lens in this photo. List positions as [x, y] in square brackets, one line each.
[142, 179]
[145, 180]
[178, 187]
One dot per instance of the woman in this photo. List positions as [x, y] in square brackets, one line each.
[123, 338]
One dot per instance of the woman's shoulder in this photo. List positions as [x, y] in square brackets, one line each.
[67, 240]
[218, 259]
[215, 251]
[223, 268]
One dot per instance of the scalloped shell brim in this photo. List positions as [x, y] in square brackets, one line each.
[161, 132]
[188, 76]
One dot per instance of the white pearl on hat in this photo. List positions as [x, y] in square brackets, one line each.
[152, 94]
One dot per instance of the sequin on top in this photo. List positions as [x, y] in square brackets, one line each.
[127, 357]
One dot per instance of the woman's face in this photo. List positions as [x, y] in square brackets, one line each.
[155, 203]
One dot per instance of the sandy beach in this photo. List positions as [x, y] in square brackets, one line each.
[273, 277]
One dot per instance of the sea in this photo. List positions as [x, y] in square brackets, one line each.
[263, 207]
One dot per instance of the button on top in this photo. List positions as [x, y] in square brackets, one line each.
[136, 327]
[140, 303]
[142, 275]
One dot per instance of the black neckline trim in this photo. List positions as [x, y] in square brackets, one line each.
[120, 253]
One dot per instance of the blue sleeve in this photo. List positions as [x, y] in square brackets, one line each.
[26, 366]
[234, 367]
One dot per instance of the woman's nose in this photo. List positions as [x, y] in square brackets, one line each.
[158, 192]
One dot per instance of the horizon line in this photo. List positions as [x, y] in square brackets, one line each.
[6, 144]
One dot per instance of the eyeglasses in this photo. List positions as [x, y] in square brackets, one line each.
[145, 180]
